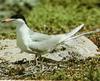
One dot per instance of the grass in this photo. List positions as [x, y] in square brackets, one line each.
[75, 70]
[54, 17]
[57, 18]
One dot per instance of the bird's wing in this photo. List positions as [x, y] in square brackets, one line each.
[46, 44]
[39, 36]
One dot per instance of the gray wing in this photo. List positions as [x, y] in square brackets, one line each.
[39, 36]
[45, 43]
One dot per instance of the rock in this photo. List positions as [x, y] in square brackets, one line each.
[79, 48]
[12, 53]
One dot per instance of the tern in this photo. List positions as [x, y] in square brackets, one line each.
[35, 42]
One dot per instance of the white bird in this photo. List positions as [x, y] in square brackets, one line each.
[34, 42]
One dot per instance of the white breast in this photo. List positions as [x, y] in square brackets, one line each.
[23, 38]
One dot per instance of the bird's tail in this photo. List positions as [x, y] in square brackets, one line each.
[73, 32]
[82, 34]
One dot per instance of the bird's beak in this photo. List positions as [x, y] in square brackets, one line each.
[7, 20]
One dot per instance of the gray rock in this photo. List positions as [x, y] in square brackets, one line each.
[80, 48]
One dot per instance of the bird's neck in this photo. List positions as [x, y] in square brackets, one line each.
[22, 27]
[23, 36]
[22, 30]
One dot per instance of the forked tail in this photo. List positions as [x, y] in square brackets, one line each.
[73, 32]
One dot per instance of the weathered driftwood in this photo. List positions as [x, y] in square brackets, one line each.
[80, 48]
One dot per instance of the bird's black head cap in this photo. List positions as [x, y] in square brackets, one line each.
[18, 17]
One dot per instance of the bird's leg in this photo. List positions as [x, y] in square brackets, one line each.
[40, 61]
[21, 51]
[38, 56]
[36, 60]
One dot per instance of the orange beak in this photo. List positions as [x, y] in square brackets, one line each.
[7, 20]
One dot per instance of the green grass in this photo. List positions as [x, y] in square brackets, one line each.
[54, 17]
[75, 70]
[59, 16]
